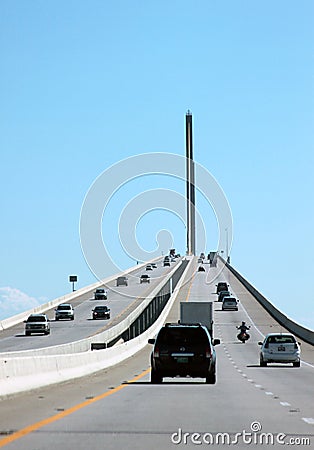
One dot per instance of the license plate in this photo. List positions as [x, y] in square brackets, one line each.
[281, 348]
[182, 359]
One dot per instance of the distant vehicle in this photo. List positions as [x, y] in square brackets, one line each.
[183, 350]
[167, 258]
[222, 286]
[101, 312]
[229, 304]
[144, 279]
[223, 294]
[37, 323]
[201, 269]
[100, 294]
[149, 267]
[200, 260]
[167, 263]
[202, 255]
[64, 311]
[122, 281]
[154, 265]
[280, 348]
[172, 260]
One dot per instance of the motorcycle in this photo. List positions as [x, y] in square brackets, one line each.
[243, 336]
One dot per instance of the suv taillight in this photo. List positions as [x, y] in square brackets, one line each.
[156, 352]
[208, 352]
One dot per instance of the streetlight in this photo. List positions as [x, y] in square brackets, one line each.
[227, 246]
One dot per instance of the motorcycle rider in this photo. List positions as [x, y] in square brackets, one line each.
[243, 328]
[243, 335]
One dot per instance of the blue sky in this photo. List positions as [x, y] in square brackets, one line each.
[85, 85]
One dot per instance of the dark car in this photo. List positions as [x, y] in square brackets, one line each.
[122, 281]
[167, 263]
[222, 286]
[223, 294]
[201, 269]
[101, 312]
[100, 294]
[183, 350]
[144, 279]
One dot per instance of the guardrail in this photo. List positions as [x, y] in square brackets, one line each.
[28, 372]
[298, 330]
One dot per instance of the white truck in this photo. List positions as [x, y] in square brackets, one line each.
[197, 312]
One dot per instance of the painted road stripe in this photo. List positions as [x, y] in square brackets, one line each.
[285, 404]
[67, 412]
[309, 420]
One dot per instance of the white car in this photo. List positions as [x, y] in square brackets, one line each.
[280, 348]
[64, 311]
[37, 323]
[229, 304]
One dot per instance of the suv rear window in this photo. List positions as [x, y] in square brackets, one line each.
[180, 335]
[63, 307]
[36, 319]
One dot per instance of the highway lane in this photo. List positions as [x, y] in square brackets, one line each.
[139, 415]
[64, 331]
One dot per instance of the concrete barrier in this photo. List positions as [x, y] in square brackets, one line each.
[28, 372]
[298, 330]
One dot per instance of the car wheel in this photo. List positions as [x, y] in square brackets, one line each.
[262, 363]
[211, 378]
[297, 364]
[27, 333]
[155, 377]
[72, 318]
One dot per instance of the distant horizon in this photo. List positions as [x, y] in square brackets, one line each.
[34, 305]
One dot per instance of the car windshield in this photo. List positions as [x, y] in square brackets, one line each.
[64, 307]
[281, 340]
[101, 308]
[36, 319]
[182, 335]
[101, 291]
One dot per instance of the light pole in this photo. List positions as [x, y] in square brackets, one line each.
[227, 246]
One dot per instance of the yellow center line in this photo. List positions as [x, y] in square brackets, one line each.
[35, 426]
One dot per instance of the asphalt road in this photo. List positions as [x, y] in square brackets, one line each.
[64, 331]
[119, 409]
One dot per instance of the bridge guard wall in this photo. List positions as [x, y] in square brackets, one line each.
[299, 331]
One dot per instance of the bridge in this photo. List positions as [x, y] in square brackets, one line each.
[58, 392]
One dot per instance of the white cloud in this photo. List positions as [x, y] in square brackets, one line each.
[13, 301]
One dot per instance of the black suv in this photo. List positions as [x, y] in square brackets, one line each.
[222, 286]
[183, 350]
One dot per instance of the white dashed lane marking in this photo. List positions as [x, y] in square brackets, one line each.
[308, 420]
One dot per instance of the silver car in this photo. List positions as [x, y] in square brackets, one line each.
[229, 304]
[280, 348]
